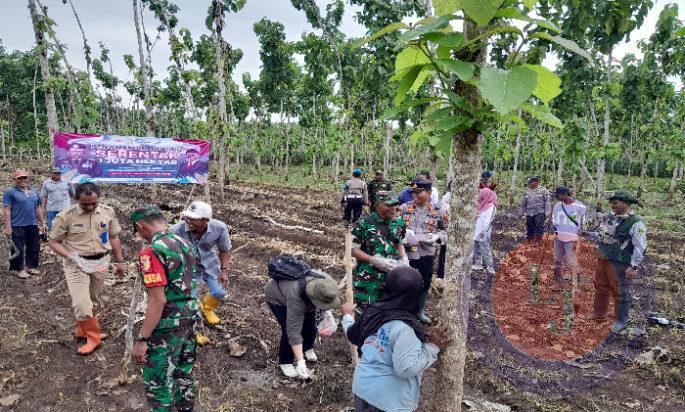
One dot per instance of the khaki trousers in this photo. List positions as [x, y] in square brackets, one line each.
[84, 288]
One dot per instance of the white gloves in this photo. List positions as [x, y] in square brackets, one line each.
[302, 371]
[410, 238]
[381, 263]
[404, 260]
[80, 262]
[432, 239]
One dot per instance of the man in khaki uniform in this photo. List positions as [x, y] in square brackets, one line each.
[85, 235]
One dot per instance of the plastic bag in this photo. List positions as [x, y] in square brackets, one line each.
[328, 325]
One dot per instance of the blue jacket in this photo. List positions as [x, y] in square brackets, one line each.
[388, 375]
[405, 196]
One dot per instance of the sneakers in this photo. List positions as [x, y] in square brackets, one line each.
[289, 370]
[310, 355]
[476, 267]
[491, 271]
[22, 274]
[33, 271]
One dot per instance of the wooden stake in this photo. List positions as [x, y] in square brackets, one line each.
[135, 298]
[349, 292]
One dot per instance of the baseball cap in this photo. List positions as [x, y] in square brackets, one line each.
[420, 184]
[20, 173]
[387, 197]
[562, 190]
[624, 196]
[323, 293]
[56, 169]
[198, 210]
[357, 172]
[486, 173]
[533, 179]
[143, 212]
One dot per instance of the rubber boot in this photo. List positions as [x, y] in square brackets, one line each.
[421, 314]
[80, 334]
[91, 328]
[600, 307]
[208, 305]
[201, 339]
[622, 313]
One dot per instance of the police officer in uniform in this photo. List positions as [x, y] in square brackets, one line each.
[354, 196]
[622, 238]
[86, 234]
[166, 341]
[426, 226]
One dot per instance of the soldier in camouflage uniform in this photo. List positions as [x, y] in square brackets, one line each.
[378, 184]
[166, 342]
[622, 238]
[375, 237]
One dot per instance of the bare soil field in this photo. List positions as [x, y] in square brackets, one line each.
[40, 370]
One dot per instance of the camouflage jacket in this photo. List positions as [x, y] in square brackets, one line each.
[374, 236]
[170, 262]
[376, 186]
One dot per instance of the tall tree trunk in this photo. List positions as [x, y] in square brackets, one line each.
[386, 155]
[51, 108]
[223, 114]
[150, 126]
[517, 154]
[601, 163]
[86, 47]
[560, 167]
[453, 307]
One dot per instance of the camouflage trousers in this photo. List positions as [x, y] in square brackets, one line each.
[168, 373]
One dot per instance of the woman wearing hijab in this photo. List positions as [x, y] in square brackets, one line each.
[395, 348]
[487, 206]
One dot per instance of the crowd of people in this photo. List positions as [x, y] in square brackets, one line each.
[395, 246]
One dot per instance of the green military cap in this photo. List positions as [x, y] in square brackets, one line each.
[387, 197]
[624, 196]
[145, 211]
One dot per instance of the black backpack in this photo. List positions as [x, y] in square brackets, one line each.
[287, 267]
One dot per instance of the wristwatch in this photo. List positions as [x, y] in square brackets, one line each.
[142, 338]
[226, 269]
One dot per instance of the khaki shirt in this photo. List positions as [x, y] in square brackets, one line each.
[86, 234]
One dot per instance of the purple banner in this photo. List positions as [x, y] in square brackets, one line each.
[130, 159]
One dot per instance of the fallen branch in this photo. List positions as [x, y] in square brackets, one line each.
[288, 227]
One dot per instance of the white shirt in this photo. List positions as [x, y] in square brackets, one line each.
[435, 197]
[484, 225]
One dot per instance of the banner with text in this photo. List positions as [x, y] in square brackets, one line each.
[129, 159]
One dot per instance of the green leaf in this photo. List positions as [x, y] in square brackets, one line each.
[442, 143]
[513, 13]
[530, 3]
[462, 69]
[406, 84]
[548, 86]
[490, 33]
[421, 78]
[566, 43]
[543, 113]
[443, 7]
[506, 90]
[481, 11]
[460, 123]
[394, 111]
[410, 57]
[382, 32]
[453, 41]
[437, 115]
[458, 101]
[432, 25]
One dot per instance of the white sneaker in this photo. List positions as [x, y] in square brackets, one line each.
[310, 355]
[22, 274]
[289, 370]
[476, 267]
[491, 271]
[33, 271]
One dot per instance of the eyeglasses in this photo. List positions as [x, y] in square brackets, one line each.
[22, 178]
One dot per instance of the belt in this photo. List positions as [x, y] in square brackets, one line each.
[96, 257]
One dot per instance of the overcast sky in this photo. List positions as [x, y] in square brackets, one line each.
[111, 22]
